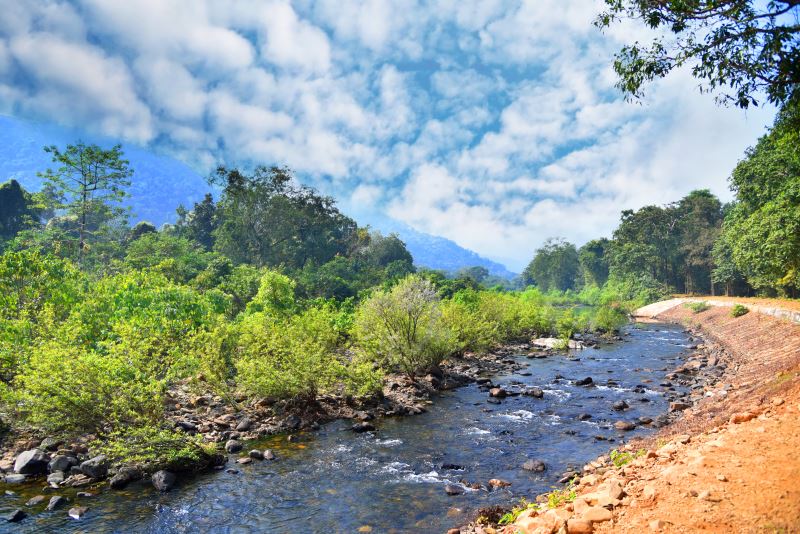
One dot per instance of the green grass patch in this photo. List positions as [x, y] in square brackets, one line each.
[739, 310]
[697, 307]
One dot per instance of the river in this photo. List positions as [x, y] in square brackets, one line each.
[393, 480]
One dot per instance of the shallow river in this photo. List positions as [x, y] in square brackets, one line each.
[392, 480]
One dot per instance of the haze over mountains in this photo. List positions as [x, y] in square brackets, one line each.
[161, 183]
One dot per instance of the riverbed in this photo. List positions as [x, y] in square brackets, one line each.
[393, 479]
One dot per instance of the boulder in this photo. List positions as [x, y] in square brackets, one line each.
[244, 425]
[124, 476]
[584, 381]
[51, 444]
[56, 501]
[596, 514]
[77, 512]
[187, 426]
[269, 455]
[232, 446]
[14, 478]
[534, 465]
[255, 454]
[536, 393]
[579, 526]
[452, 489]
[498, 483]
[32, 462]
[61, 462]
[55, 478]
[362, 427]
[584, 417]
[624, 425]
[163, 480]
[33, 501]
[96, 467]
[620, 405]
[16, 516]
[498, 393]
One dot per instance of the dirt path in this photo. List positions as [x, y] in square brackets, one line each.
[731, 464]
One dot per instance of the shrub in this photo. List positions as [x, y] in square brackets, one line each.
[152, 448]
[275, 295]
[739, 310]
[66, 388]
[697, 307]
[403, 328]
[607, 319]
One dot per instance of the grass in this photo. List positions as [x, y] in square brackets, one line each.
[738, 310]
[697, 307]
[620, 458]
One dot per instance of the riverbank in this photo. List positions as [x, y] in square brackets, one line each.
[729, 464]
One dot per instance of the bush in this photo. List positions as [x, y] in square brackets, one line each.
[608, 320]
[403, 329]
[697, 307]
[152, 448]
[275, 295]
[66, 388]
[739, 310]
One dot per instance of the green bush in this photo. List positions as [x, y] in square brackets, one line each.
[403, 329]
[738, 310]
[697, 307]
[607, 319]
[275, 295]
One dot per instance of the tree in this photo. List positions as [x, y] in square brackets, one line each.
[18, 211]
[555, 266]
[92, 182]
[594, 261]
[700, 221]
[744, 45]
[477, 273]
[199, 223]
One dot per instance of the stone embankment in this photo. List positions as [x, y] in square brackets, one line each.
[729, 464]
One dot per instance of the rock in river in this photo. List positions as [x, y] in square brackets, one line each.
[16, 516]
[362, 427]
[624, 425]
[77, 512]
[55, 502]
[163, 480]
[499, 393]
[452, 489]
[32, 462]
[534, 465]
[620, 405]
[536, 393]
[96, 467]
[584, 381]
[232, 446]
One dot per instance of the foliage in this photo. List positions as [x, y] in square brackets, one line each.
[738, 310]
[621, 458]
[18, 210]
[746, 46]
[555, 266]
[152, 448]
[697, 307]
[402, 328]
[511, 516]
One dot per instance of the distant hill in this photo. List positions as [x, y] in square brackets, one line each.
[161, 183]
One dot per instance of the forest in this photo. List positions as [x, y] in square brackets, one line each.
[269, 291]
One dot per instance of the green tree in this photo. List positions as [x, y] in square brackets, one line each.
[745, 45]
[700, 222]
[18, 210]
[593, 258]
[555, 266]
[91, 182]
[199, 223]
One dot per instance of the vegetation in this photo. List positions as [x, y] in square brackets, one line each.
[697, 307]
[621, 458]
[738, 310]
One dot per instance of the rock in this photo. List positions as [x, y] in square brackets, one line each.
[124, 476]
[536, 393]
[51, 444]
[96, 467]
[186, 426]
[584, 417]
[453, 467]
[620, 405]
[657, 524]
[244, 425]
[777, 401]
[77, 512]
[596, 514]
[452, 489]
[584, 381]
[84, 494]
[61, 462]
[232, 446]
[32, 462]
[256, 454]
[498, 483]
[722, 478]
[498, 393]
[56, 501]
[566, 477]
[33, 501]
[163, 480]
[454, 531]
[362, 427]
[624, 425]
[293, 422]
[492, 400]
[644, 420]
[16, 516]
[579, 526]
[739, 417]
[14, 479]
[678, 406]
[244, 461]
[269, 455]
[534, 465]
[55, 478]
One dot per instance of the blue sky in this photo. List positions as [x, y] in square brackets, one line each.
[492, 123]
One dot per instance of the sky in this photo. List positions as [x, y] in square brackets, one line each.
[492, 123]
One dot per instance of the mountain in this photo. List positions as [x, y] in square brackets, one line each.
[160, 184]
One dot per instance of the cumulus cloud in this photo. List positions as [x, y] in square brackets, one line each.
[494, 123]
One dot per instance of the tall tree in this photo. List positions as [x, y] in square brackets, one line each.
[18, 210]
[593, 257]
[700, 221]
[555, 266]
[748, 46]
[199, 223]
[91, 183]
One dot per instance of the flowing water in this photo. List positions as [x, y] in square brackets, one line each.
[392, 480]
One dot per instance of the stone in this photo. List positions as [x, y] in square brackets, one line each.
[269, 455]
[244, 461]
[584, 381]
[16, 516]
[620, 405]
[624, 425]
[534, 465]
[51, 444]
[77, 512]
[186, 426]
[163, 480]
[232, 446]
[678, 406]
[32, 462]
[454, 531]
[579, 526]
[56, 501]
[584, 417]
[596, 514]
[742, 417]
[244, 425]
[777, 401]
[492, 400]
[124, 476]
[96, 467]
[452, 489]
[498, 483]
[657, 524]
[453, 467]
[33, 501]
[61, 462]
[362, 427]
[14, 479]
[255, 454]
[55, 478]
[498, 393]
[536, 393]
